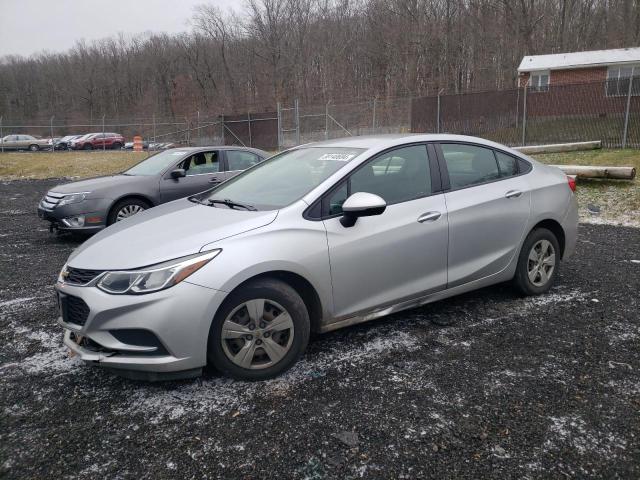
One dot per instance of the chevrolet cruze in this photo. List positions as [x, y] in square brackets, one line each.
[316, 238]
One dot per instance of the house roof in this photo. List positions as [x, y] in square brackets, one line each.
[594, 58]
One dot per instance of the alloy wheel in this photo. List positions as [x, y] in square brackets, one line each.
[257, 334]
[541, 263]
[127, 211]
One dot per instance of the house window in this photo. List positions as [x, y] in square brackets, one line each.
[539, 81]
[618, 79]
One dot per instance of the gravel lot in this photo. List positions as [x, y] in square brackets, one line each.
[484, 385]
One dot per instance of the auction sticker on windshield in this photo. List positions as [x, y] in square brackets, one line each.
[339, 157]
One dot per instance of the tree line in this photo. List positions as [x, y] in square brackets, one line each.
[314, 50]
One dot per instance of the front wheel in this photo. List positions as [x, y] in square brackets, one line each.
[538, 262]
[87, 146]
[116, 146]
[260, 331]
[34, 148]
[125, 209]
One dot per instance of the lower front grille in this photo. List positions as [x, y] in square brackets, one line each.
[79, 276]
[74, 310]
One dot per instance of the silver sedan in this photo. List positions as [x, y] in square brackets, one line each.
[319, 237]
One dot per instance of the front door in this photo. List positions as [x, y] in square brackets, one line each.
[489, 207]
[202, 173]
[398, 255]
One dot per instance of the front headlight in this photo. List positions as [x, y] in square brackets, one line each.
[71, 198]
[156, 277]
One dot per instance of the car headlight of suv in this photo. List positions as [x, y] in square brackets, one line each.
[156, 277]
[71, 198]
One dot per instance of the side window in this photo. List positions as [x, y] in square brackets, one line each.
[469, 165]
[397, 176]
[334, 201]
[507, 164]
[202, 163]
[239, 160]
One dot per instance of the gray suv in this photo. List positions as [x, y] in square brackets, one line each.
[316, 238]
[90, 205]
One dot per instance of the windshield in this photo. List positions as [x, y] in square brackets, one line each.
[157, 163]
[283, 179]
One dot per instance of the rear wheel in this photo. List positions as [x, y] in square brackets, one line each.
[34, 148]
[259, 331]
[538, 263]
[126, 208]
[116, 146]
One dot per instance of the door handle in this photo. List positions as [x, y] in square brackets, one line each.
[429, 217]
[215, 180]
[513, 194]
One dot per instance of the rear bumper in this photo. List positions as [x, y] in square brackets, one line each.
[570, 227]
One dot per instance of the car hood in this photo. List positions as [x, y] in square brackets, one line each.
[169, 231]
[98, 184]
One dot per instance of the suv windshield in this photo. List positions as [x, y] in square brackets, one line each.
[156, 164]
[281, 180]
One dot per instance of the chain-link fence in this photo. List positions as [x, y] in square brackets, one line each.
[519, 116]
[526, 116]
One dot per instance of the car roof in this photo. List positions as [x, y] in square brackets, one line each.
[370, 142]
[217, 147]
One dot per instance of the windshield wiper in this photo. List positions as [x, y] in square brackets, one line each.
[231, 204]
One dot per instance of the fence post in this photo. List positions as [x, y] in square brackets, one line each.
[154, 127]
[187, 130]
[438, 113]
[297, 123]
[249, 122]
[524, 115]
[53, 144]
[222, 127]
[279, 125]
[326, 121]
[198, 126]
[1, 137]
[626, 115]
[375, 100]
[104, 142]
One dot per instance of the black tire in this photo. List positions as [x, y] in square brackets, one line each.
[116, 146]
[34, 148]
[87, 146]
[113, 213]
[270, 290]
[521, 279]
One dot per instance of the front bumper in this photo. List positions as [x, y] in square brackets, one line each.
[178, 317]
[95, 212]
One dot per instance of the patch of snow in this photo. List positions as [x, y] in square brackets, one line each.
[573, 430]
[222, 395]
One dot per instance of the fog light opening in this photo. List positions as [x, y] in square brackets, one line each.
[74, 222]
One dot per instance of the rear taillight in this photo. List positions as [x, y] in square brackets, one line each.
[572, 183]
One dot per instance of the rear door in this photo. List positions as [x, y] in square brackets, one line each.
[488, 203]
[400, 254]
[203, 172]
[239, 160]
[11, 142]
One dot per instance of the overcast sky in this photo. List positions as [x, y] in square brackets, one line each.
[30, 26]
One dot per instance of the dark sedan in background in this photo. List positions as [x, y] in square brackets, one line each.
[90, 205]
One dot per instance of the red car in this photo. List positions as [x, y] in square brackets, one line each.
[92, 141]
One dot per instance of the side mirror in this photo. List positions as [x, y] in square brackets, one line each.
[361, 204]
[178, 173]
